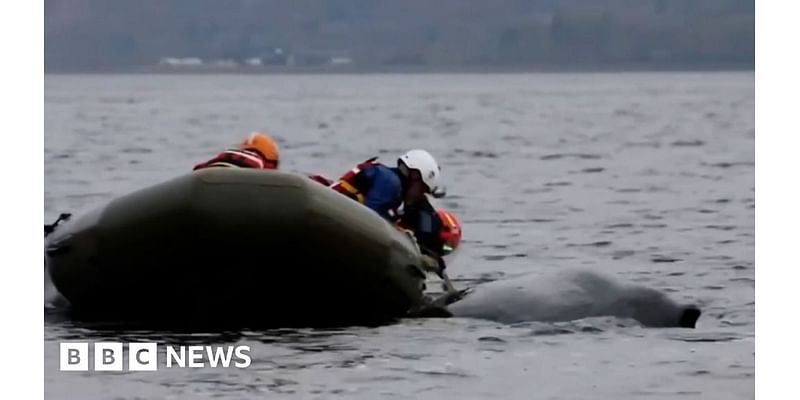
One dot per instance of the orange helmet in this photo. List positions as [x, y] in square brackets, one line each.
[262, 143]
[451, 230]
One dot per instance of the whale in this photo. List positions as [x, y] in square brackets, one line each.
[566, 295]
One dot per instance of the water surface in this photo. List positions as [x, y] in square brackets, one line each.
[645, 177]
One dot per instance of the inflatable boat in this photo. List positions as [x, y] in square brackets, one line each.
[252, 247]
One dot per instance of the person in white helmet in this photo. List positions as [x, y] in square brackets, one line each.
[384, 189]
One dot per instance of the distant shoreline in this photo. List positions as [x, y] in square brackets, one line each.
[367, 70]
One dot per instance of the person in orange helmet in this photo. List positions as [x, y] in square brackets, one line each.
[258, 151]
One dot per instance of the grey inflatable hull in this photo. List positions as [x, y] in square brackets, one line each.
[225, 245]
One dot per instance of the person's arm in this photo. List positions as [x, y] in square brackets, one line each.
[431, 243]
[429, 234]
[427, 226]
[436, 264]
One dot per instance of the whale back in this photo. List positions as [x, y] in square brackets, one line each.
[570, 295]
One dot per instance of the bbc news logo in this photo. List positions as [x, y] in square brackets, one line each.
[110, 356]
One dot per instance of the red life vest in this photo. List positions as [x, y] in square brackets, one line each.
[347, 186]
[237, 159]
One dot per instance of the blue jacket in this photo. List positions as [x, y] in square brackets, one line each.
[382, 189]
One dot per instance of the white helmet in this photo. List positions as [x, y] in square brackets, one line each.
[427, 166]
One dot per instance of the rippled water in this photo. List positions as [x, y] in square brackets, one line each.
[648, 178]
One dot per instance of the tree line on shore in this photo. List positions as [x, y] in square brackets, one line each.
[97, 34]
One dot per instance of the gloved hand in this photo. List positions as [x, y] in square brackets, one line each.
[408, 232]
[410, 235]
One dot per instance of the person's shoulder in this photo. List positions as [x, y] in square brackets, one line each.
[390, 173]
[382, 169]
[385, 176]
